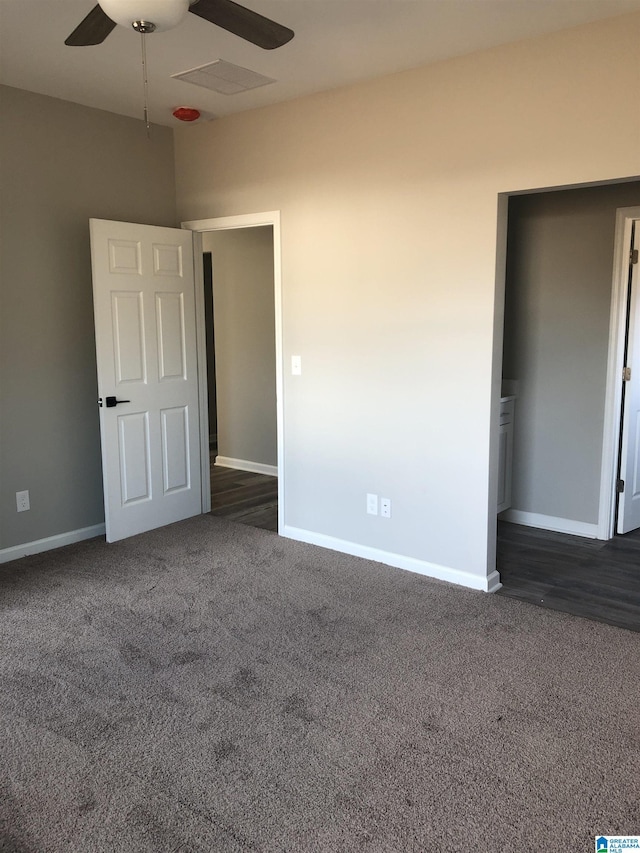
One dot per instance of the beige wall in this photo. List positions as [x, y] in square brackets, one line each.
[557, 309]
[388, 193]
[244, 322]
[60, 164]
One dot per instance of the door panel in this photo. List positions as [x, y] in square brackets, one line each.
[175, 449]
[135, 461]
[129, 337]
[144, 305]
[167, 260]
[125, 257]
[171, 342]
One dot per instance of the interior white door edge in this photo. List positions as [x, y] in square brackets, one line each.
[625, 218]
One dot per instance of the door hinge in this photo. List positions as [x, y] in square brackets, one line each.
[633, 256]
[620, 486]
[626, 374]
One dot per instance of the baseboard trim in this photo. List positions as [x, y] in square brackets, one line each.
[246, 465]
[51, 542]
[550, 522]
[493, 581]
[410, 564]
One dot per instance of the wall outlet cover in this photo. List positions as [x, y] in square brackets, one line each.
[22, 501]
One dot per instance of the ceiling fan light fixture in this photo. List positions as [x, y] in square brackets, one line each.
[146, 16]
[159, 14]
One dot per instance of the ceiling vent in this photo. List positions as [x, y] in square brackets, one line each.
[224, 77]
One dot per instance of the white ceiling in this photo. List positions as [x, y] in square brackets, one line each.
[337, 42]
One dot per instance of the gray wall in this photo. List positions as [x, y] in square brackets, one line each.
[61, 164]
[244, 322]
[559, 269]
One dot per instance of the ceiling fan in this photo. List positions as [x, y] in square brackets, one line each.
[147, 16]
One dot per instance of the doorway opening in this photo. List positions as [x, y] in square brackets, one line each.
[241, 374]
[558, 365]
[239, 329]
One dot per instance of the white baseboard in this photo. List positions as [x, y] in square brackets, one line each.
[51, 542]
[493, 581]
[550, 522]
[245, 465]
[420, 567]
[433, 570]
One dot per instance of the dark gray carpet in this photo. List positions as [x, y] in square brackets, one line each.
[212, 687]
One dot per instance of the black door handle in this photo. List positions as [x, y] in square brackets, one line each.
[110, 402]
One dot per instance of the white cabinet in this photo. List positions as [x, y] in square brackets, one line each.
[505, 453]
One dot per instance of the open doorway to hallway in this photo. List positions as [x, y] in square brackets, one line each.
[586, 577]
[560, 253]
[238, 278]
[245, 497]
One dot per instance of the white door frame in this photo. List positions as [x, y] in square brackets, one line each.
[226, 223]
[625, 217]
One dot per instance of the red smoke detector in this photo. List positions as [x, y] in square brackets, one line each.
[186, 113]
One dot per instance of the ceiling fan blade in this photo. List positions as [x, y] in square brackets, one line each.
[92, 30]
[243, 22]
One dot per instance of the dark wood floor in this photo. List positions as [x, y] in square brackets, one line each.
[587, 577]
[244, 497]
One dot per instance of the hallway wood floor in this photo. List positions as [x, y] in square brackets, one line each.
[587, 577]
[244, 497]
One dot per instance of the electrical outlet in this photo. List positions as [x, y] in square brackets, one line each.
[22, 501]
[296, 365]
[372, 504]
[385, 507]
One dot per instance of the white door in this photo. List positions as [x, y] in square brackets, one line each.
[144, 305]
[629, 499]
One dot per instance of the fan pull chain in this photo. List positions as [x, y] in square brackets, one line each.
[145, 85]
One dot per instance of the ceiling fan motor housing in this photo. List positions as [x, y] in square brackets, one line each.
[163, 14]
